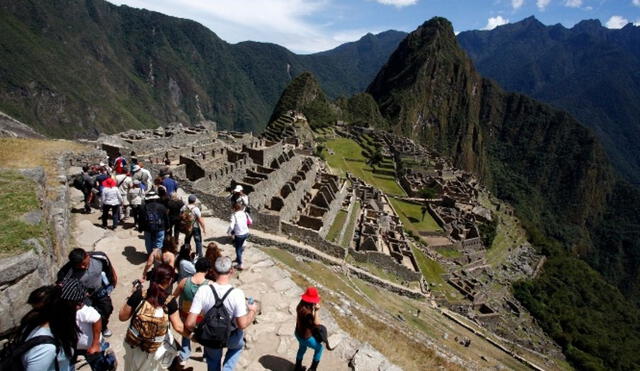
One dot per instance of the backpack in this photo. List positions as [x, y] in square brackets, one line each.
[152, 220]
[215, 329]
[78, 182]
[146, 331]
[185, 223]
[11, 354]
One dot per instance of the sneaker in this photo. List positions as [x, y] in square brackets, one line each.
[106, 333]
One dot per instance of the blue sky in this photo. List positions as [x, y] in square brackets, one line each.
[306, 26]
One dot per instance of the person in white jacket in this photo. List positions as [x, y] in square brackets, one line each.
[111, 200]
[239, 229]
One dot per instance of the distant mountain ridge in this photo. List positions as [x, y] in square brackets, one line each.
[77, 68]
[588, 70]
[552, 169]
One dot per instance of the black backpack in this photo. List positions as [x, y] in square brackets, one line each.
[215, 329]
[78, 182]
[152, 219]
[11, 354]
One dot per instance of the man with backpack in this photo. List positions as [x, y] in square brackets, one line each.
[96, 273]
[154, 220]
[226, 315]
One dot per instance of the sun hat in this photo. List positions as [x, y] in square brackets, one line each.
[238, 188]
[135, 168]
[72, 290]
[223, 265]
[311, 295]
[152, 196]
[136, 182]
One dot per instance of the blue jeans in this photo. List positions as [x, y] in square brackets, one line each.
[185, 351]
[153, 240]
[234, 349]
[238, 242]
[197, 239]
[312, 343]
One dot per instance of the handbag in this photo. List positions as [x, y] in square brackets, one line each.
[167, 351]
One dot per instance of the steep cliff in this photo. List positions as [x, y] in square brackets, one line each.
[552, 169]
[528, 153]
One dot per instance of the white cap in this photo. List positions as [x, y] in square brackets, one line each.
[238, 188]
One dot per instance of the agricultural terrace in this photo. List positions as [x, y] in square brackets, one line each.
[346, 155]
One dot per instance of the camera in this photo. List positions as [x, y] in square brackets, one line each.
[137, 284]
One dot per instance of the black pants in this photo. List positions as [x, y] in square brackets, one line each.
[104, 306]
[87, 200]
[135, 212]
[115, 213]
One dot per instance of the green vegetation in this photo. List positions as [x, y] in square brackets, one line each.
[411, 216]
[488, 231]
[347, 157]
[18, 195]
[590, 319]
[336, 227]
[449, 252]
[353, 219]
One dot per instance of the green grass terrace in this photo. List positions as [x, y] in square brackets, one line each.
[347, 156]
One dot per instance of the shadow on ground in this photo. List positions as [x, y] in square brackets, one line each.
[275, 363]
[133, 256]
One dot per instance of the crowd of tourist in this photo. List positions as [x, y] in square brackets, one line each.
[187, 291]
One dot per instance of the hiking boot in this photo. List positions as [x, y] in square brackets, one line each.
[314, 366]
[298, 366]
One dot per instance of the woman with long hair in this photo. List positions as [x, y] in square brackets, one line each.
[166, 255]
[150, 317]
[184, 262]
[55, 317]
[307, 320]
[212, 254]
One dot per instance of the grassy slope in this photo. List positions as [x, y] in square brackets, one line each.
[348, 157]
[18, 195]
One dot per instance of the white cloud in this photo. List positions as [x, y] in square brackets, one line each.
[398, 3]
[637, 22]
[574, 3]
[636, 2]
[494, 22]
[294, 24]
[542, 4]
[517, 4]
[616, 22]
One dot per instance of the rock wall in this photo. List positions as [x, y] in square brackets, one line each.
[387, 263]
[312, 238]
[20, 274]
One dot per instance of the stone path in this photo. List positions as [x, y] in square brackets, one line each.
[270, 343]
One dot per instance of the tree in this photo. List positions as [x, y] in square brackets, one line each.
[375, 159]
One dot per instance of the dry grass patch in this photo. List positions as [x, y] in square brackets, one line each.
[19, 153]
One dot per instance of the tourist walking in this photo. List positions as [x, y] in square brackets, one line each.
[150, 317]
[96, 273]
[238, 197]
[166, 255]
[153, 222]
[184, 262]
[88, 183]
[307, 320]
[186, 291]
[135, 196]
[123, 182]
[206, 303]
[169, 184]
[143, 175]
[198, 228]
[47, 336]
[175, 205]
[111, 199]
[239, 230]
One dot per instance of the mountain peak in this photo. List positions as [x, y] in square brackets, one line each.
[587, 25]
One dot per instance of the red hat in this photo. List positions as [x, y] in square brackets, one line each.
[311, 295]
[109, 182]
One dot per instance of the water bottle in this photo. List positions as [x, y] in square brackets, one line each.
[250, 300]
